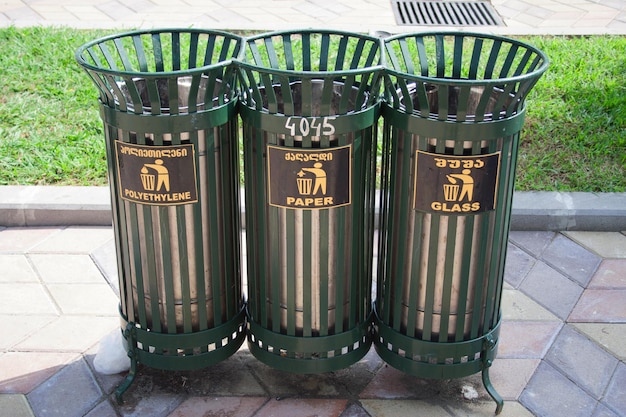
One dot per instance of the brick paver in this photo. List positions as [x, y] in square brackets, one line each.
[547, 356]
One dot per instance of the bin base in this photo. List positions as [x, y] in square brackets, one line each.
[308, 355]
[439, 360]
[180, 351]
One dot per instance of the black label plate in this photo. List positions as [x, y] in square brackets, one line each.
[157, 175]
[447, 184]
[310, 179]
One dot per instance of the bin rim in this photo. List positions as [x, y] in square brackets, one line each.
[535, 73]
[313, 31]
[161, 74]
[242, 63]
[314, 75]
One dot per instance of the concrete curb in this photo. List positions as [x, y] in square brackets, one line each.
[37, 206]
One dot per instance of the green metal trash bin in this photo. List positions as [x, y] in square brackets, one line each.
[309, 106]
[453, 114]
[168, 103]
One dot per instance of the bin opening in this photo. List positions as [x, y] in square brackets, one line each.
[461, 77]
[174, 96]
[323, 97]
[487, 102]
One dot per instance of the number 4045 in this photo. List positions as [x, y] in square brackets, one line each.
[313, 126]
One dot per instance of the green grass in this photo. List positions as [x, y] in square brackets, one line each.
[574, 138]
[50, 130]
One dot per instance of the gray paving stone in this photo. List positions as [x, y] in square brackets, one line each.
[527, 339]
[571, 259]
[403, 408]
[518, 264]
[551, 289]
[303, 407]
[510, 376]
[75, 239]
[354, 410]
[107, 383]
[14, 405]
[104, 409]
[518, 306]
[65, 268]
[600, 306]
[158, 393]
[71, 392]
[550, 393]
[106, 260]
[157, 403]
[220, 406]
[343, 383]
[606, 245]
[602, 411]
[615, 397]
[16, 268]
[583, 361]
[15, 328]
[534, 242]
[26, 298]
[611, 336]
[19, 240]
[610, 275]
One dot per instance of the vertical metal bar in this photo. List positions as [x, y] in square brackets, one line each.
[150, 267]
[306, 52]
[286, 230]
[121, 51]
[493, 59]
[324, 290]
[457, 60]
[475, 61]
[306, 236]
[401, 160]
[217, 178]
[204, 292]
[140, 53]
[210, 48]
[288, 52]
[176, 64]
[341, 53]
[192, 59]
[355, 224]
[324, 52]
[274, 267]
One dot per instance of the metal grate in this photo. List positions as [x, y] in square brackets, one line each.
[445, 13]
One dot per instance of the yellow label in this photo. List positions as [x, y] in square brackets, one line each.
[157, 175]
[448, 184]
[309, 179]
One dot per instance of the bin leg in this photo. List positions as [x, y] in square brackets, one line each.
[129, 335]
[489, 351]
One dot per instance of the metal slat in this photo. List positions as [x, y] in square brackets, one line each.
[445, 13]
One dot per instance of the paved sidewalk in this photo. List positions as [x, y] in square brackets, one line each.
[562, 347]
[581, 17]
[562, 350]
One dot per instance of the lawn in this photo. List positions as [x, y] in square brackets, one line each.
[574, 138]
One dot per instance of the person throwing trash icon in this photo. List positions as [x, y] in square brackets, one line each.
[163, 177]
[467, 188]
[320, 177]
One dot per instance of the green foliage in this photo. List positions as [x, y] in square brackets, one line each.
[574, 138]
[50, 130]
